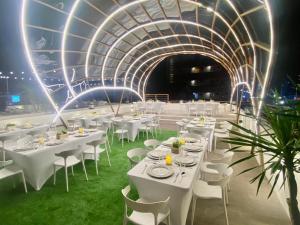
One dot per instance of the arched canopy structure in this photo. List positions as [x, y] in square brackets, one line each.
[119, 42]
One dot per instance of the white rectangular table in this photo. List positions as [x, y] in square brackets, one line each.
[180, 192]
[38, 164]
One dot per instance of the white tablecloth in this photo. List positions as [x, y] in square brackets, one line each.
[18, 132]
[38, 164]
[86, 120]
[203, 106]
[180, 192]
[134, 125]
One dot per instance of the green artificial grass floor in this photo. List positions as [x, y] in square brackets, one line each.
[98, 201]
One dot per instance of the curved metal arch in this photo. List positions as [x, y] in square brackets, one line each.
[178, 53]
[153, 23]
[158, 38]
[136, 2]
[89, 91]
[249, 89]
[231, 74]
[29, 57]
[156, 49]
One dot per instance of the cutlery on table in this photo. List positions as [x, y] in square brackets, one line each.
[176, 176]
[146, 165]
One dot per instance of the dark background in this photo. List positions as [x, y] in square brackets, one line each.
[286, 18]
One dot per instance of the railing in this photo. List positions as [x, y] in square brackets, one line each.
[157, 97]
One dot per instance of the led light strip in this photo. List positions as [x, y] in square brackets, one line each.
[124, 8]
[29, 57]
[154, 23]
[176, 53]
[251, 41]
[170, 54]
[271, 55]
[63, 60]
[101, 27]
[28, 54]
[251, 95]
[152, 67]
[153, 50]
[89, 91]
[159, 38]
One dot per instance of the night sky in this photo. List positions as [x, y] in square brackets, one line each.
[286, 13]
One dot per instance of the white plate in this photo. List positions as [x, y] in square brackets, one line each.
[24, 149]
[190, 140]
[157, 154]
[53, 143]
[184, 160]
[81, 135]
[91, 130]
[160, 171]
[192, 148]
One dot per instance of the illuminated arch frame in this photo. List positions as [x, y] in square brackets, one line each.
[24, 34]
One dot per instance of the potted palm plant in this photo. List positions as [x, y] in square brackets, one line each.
[279, 139]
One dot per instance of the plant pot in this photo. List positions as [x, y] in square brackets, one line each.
[175, 150]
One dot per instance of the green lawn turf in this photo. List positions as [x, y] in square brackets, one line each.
[98, 201]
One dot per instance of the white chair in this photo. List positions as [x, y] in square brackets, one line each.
[145, 212]
[181, 128]
[145, 128]
[95, 123]
[73, 124]
[217, 136]
[155, 125]
[215, 189]
[211, 171]
[94, 152]
[151, 144]
[68, 159]
[135, 155]
[119, 127]
[12, 170]
[4, 161]
[221, 156]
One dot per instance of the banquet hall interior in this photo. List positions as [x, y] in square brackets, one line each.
[149, 112]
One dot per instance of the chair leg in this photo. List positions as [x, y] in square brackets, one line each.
[84, 170]
[125, 221]
[24, 182]
[193, 209]
[127, 137]
[108, 144]
[108, 159]
[169, 220]
[226, 194]
[54, 174]
[96, 159]
[66, 176]
[72, 170]
[225, 210]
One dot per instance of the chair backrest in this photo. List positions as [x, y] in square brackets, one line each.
[99, 141]
[135, 155]
[151, 143]
[154, 207]
[70, 152]
[223, 171]
[225, 157]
